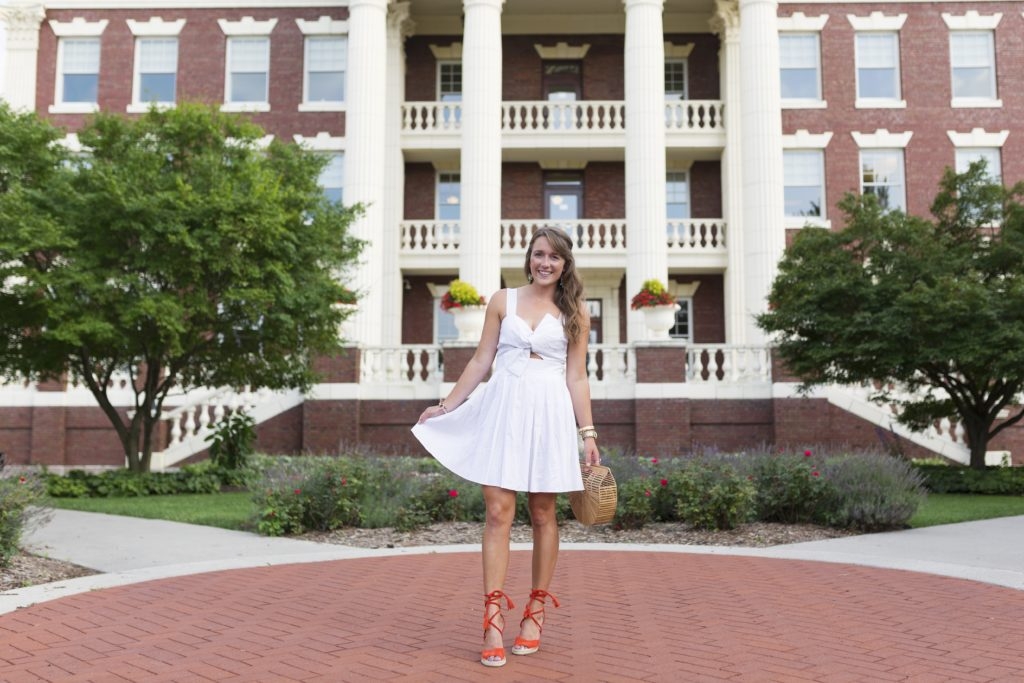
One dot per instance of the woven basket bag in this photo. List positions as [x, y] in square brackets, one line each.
[595, 504]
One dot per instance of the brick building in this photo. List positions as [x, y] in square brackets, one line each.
[707, 131]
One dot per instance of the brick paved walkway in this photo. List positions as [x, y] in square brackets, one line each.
[626, 616]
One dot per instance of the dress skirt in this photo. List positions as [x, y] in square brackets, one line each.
[517, 432]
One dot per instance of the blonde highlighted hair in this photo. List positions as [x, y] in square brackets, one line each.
[569, 297]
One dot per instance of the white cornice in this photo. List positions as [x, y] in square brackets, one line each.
[978, 138]
[324, 26]
[876, 21]
[673, 51]
[156, 27]
[562, 51]
[321, 142]
[247, 26]
[450, 52]
[882, 139]
[971, 21]
[78, 28]
[801, 22]
[802, 139]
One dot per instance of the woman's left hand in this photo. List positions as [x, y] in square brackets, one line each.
[591, 453]
[432, 411]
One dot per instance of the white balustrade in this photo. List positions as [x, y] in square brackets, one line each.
[700, 235]
[611, 364]
[592, 235]
[199, 415]
[694, 116]
[431, 117]
[587, 116]
[431, 237]
[724, 364]
[407, 364]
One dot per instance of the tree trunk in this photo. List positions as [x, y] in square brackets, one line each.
[976, 432]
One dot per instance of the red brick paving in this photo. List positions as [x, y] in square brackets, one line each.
[625, 616]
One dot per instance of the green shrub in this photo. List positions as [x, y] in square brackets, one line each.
[711, 494]
[123, 483]
[232, 444]
[870, 491]
[942, 478]
[634, 507]
[789, 488]
[19, 510]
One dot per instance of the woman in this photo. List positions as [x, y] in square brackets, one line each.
[519, 433]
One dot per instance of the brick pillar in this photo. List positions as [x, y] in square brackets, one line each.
[48, 436]
[340, 368]
[662, 424]
[456, 358]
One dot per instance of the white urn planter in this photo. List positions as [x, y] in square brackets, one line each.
[659, 320]
[469, 321]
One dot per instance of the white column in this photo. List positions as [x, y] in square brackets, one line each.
[647, 255]
[364, 157]
[399, 28]
[22, 20]
[726, 24]
[764, 236]
[479, 241]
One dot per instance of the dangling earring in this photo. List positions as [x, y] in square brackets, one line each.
[559, 284]
[529, 278]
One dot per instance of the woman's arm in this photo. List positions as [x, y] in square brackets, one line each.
[479, 365]
[579, 390]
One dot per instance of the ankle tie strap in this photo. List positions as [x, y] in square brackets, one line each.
[538, 594]
[494, 598]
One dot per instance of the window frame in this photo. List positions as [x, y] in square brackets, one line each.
[60, 105]
[441, 179]
[331, 156]
[685, 303]
[245, 105]
[990, 100]
[689, 193]
[895, 101]
[685, 94]
[439, 79]
[322, 105]
[817, 101]
[138, 104]
[900, 155]
[798, 219]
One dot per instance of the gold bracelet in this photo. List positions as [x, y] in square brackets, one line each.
[440, 404]
[583, 429]
[589, 434]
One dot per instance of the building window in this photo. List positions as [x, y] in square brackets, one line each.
[972, 61]
[248, 70]
[79, 69]
[449, 197]
[881, 172]
[677, 195]
[800, 66]
[878, 66]
[563, 196]
[332, 177]
[966, 156]
[326, 61]
[449, 81]
[444, 322]
[682, 329]
[156, 70]
[804, 182]
[676, 87]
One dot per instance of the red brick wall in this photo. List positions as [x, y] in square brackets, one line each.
[663, 426]
[420, 192]
[201, 64]
[925, 84]
[706, 189]
[522, 191]
[90, 439]
[281, 434]
[16, 434]
[604, 190]
[708, 307]
[731, 425]
[418, 308]
[702, 64]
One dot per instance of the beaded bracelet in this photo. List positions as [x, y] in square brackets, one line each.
[440, 404]
[588, 433]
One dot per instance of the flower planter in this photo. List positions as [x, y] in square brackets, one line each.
[469, 321]
[659, 320]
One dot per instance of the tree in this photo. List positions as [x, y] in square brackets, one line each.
[178, 250]
[932, 306]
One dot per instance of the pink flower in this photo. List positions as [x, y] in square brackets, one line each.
[815, 473]
[647, 493]
[807, 454]
[298, 491]
[344, 481]
[654, 461]
[453, 493]
[664, 482]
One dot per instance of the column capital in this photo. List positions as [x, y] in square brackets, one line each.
[399, 21]
[23, 21]
[726, 19]
[631, 4]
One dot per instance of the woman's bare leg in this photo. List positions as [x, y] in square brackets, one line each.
[501, 510]
[545, 553]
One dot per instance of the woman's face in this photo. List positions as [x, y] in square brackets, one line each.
[545, 263]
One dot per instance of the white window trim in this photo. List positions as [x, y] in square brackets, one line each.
[89, 30]
[877, 102]
[437, 187]
[451, 52]
[686, 75]
[971, 21]
[681, 167]
[811, 25]
[78, 28]
[136, 106]
[437, 75]
[804, 140]
[903, 162]
[246, 27]
[324, 26]
[562, 51]
[321, 142]
[244, 107]
[882, 139]
[876, 21]
[686, 292]
[978, 138]
[976, 102]
[319, 106]
[801, 23]
[155, 28]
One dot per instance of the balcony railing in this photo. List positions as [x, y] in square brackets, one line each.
[559, 117]
[591, 236]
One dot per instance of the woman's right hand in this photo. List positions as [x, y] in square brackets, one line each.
[432, 411]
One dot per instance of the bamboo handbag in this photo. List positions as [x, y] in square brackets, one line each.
[595, 504]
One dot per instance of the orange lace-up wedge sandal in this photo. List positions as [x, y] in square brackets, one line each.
[495, 656]
[528, 647]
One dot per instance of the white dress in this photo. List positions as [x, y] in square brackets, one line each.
[517, 431]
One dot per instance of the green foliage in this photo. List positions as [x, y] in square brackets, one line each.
[200, 478]
[223, 510]
[712, 495]
[634, 508]
[232, 443]
[870, 492]
[952, 508]
[20, 497]
[789, 487]
[907, 303]
[652, 293]
[940, 478]
[179, 250]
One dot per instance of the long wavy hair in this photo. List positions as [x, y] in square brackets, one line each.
[569, 295]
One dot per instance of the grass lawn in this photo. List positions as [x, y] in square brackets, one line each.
[224, 510]
[949, 508]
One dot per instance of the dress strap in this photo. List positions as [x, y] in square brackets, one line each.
[510, 301]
